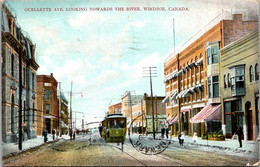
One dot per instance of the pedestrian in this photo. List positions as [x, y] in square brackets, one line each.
[162, 131]
[53, 134]
[100, 128]
[74, 136]
[167, 132]
[45, 135]
[181, 138]
[239, 134]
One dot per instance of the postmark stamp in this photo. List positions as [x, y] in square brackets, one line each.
[144, 141]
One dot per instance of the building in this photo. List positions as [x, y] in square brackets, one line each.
[47, 104]
[142, 114]
[116, 108]
[15, 43]
[239, 82]
[128, 101]
[64, 114]
[192, 76]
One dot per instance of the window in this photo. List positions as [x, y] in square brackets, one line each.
[225, 81]
[251, 73]
[115, 110]
[33, 113]
[215, 83]
[24, 75]
[213, 86]
[47, 108]
[33, 81]
[209, 86]
[212, 55]
[47, 94]
[24, 111]
[256, 72]
[228, 80]
[12, 65]
[120, 110]
[209, 56]
[238, 80]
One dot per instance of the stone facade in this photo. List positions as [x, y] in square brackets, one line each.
[15, 43]
[192, 74]
[239, 82]
[48, 104]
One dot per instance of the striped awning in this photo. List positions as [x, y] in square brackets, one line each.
[186, 93]
[180, 72]
[199, 62]
[174, 94]
[180, 94]
[174, 120]
[166, 122]
[166, 99]
[208, 113]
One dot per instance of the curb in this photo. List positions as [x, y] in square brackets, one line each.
[27, 150]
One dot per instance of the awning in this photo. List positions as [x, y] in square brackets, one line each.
[166, 99]
[199, 62]
[63, 125]
[174, 94]
[174, 120]
[208, 113]
[180, 72]
[180, 94]
[186, 93]
[166, 122]
[48, 116]
[185, 110]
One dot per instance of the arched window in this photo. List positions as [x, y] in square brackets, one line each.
[225, 81]
[48, 94]
[251, 73]
[256, 72]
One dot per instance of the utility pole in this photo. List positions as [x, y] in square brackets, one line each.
[60, 110]
[71, 111]
[156, 113]
[20, 98]
[152, 72]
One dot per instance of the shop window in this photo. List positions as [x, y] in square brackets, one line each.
[256, 72]
[251, 73]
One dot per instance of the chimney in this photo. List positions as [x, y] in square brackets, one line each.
[237, 17]
[51, 74]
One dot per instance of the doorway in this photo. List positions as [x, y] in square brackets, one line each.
[249, 120]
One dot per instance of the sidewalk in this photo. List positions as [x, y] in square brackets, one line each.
[247, 146]
[12, 148]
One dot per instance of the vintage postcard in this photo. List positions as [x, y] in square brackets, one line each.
[130, 83]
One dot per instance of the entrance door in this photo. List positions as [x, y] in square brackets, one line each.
[249, 121]
[48, 124]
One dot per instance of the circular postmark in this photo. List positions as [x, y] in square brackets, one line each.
[149, 140]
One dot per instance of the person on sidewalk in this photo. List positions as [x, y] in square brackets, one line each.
[239, 134]
[162, 131]
[167, 132]
[45, 135]
[181, 138]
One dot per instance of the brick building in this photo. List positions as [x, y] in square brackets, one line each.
[116, 108]
[15, 43]
[192, 75]
[239, 82]
[47, 104]
[64, 115]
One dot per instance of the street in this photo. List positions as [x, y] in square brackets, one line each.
[90, 150]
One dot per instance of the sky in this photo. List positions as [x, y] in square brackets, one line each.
[103, 52]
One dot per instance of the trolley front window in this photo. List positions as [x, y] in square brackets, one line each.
[116, 123]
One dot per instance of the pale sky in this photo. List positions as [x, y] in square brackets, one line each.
[103, 52]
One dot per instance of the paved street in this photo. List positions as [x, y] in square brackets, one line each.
[83, 152]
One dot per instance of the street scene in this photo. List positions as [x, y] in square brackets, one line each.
[130, 83]
[91, 150]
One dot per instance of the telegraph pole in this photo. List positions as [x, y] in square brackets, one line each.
[71, 112]
[20, 98]
[152, 71]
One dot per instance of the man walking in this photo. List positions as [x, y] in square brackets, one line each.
[239, 134]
